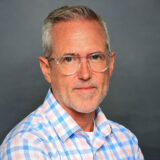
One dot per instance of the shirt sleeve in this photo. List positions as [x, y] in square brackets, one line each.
[24, 148]
[140, 154]
[137, 150]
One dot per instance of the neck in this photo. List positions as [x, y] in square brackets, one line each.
[84, 120]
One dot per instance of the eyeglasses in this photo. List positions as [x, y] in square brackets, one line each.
[70, 63]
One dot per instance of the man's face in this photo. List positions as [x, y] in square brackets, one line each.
[84, 90]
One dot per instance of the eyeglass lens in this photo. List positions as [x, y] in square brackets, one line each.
[70, 64]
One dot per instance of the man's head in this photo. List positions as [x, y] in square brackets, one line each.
[68, 13]
[76, 31]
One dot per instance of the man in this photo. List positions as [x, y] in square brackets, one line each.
[69, 124]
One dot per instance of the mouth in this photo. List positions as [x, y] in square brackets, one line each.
[85, 90]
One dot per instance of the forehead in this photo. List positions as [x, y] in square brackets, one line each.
[77, 36]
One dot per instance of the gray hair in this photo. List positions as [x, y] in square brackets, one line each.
[67, 13]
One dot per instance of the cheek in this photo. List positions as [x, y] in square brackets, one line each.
[60, 83]
[102, 79]
[106, 78]
[55, 80]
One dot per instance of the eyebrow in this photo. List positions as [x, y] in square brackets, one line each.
[95, 52]
[69, 54]
[73, 54]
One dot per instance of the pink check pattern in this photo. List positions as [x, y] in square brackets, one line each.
[51, 133]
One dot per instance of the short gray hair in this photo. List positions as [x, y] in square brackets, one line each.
[67, 13]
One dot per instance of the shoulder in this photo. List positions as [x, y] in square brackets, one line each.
[122, 132]
[31, 124]
[125, 139]
[114, 127]
[32, 135]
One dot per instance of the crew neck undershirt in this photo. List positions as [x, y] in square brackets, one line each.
[91, 134]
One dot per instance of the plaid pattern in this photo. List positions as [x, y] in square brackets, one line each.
[51, 133]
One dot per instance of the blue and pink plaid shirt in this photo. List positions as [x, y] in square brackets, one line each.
[51, 133]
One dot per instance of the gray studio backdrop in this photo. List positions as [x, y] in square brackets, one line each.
[133, 99]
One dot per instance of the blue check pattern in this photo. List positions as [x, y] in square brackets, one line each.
[51, 133]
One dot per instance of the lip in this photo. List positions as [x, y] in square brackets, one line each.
[85, 89]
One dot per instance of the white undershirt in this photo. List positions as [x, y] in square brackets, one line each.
[91, 134]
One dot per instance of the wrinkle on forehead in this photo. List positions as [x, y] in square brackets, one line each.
[73, 36]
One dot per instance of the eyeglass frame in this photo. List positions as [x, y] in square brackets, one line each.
[57, 59]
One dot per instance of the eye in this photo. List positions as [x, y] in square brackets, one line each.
[96, 56]
[68, 58]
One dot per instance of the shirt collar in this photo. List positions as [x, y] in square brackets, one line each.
[102, 123]
[64, 124]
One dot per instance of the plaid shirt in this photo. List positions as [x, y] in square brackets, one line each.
[51, 133]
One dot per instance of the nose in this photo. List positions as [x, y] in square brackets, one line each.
[84, 72]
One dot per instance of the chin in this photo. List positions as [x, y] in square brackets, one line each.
[84, 107]
[84, 110]
[85, 104]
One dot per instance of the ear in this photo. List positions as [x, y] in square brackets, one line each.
[111, 65]
[45, 68]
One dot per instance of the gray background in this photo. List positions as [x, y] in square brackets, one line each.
[133, 99]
